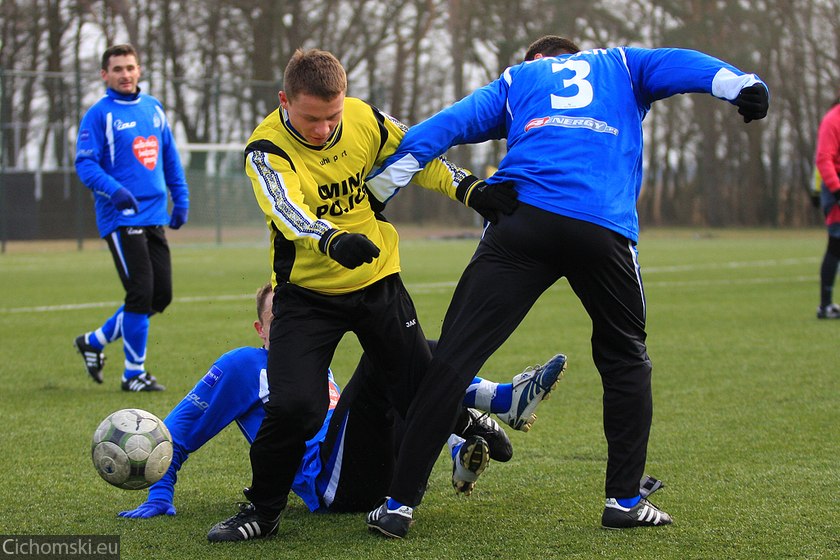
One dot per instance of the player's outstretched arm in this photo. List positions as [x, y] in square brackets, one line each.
[160, 500]
[228, 391]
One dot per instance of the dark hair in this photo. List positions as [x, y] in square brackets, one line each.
[118, 50]
[550, 45]
[261, 295]
[314, 72]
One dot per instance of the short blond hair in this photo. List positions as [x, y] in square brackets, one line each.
[314, 72]
[261, 295]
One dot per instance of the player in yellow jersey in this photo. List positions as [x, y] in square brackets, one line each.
[335, 264]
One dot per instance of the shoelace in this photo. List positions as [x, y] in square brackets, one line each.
[243, 511]
[535, 377]
[480, 419]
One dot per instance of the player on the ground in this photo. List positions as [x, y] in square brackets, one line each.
[347, 464]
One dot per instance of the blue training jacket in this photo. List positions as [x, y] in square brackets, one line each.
[125, 141]
[234, 390]
[573, 125]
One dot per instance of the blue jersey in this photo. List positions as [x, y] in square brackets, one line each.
[234, 390]
[573, 125]
[125, 141]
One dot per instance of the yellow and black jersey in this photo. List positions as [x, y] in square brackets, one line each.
[306, 190]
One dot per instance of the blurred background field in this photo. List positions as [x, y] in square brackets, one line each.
[745, 423]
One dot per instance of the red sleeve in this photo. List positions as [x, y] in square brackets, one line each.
[828, 149]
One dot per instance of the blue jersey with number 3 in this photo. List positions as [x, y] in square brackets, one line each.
[573, 124]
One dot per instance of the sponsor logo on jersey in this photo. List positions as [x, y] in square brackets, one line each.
[212, 377]
[196, 400]
[335, 158]
[411, 323]
[146, 151]
[121, 125]
[341, 197]
[572, 122]
[84, 135]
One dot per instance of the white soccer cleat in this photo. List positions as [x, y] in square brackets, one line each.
[530, 388]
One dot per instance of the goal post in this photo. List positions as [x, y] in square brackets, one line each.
[222, 202]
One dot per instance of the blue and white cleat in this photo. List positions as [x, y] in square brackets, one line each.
[530, 388]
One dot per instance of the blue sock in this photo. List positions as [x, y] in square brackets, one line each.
[135, 334]
[504, 396]
[93, 340]
[469, 396]
[394, 504]
[110, 331]
[488, 396]
[628, 502]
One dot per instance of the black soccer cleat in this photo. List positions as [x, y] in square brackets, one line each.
[245, 525]
[648, 485]
[830, 311]
[643, 514]
[480, 424]
[141, 383]
[94, 359]
[392, 523]
[469, 463]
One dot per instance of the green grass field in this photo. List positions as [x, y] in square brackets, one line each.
[745, 430]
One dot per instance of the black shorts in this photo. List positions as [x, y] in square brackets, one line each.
[141, 255]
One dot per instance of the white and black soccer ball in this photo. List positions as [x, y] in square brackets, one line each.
[132, 449]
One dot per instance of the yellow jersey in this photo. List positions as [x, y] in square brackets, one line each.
[305, 191]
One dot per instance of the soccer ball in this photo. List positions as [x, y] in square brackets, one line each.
[131, 449]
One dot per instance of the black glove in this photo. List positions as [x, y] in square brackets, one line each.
[487, 200]
[753, 102]
[350, 250]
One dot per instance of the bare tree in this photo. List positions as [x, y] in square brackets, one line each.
[217, 66]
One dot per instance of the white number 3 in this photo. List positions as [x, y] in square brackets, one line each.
[584, 94]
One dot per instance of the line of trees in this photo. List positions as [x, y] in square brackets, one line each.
[217, 66]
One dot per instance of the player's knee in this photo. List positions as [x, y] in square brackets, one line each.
[834, 246]
[138, 301]
[298, 414]
[161, 301]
